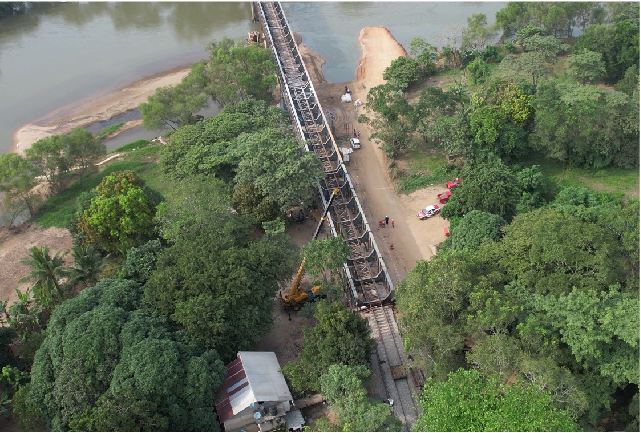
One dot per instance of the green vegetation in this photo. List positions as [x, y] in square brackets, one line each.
[235, 72]
[345, 389]
[340, 337]
[138, 144]
[109, 130]
[58, 210]
[527, 319]
[530, 302]
[104, 352]
[471, 401]
[210, 271]
[119, 214]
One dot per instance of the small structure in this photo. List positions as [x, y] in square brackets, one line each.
[254, 395]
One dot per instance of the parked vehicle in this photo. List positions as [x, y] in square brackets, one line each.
[355, 142]
[453, 183]
[429, 211]
[444, 197]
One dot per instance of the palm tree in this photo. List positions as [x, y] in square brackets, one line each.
[46, 271]
[88, 263]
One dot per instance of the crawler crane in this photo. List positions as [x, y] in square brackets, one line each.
[296, 297]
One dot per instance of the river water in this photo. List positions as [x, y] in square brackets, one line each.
[60, 54]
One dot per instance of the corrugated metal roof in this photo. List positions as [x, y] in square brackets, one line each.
[294, 420]
[251, 377]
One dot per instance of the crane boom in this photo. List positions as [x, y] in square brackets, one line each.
[296, 296]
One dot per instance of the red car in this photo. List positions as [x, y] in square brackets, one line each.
[444, 197]
[453, 183]
[429, 211]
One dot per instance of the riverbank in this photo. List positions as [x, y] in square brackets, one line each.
[100, 109]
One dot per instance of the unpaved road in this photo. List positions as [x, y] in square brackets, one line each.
[412, 239]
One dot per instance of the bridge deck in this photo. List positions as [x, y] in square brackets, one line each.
[370, 286]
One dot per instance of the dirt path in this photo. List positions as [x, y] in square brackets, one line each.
[412, 239]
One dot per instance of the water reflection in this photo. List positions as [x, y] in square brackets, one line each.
[193, 21]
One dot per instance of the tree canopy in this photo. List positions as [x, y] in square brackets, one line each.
[214, 275]
[109, 364]
[553, 302]
[471, 401]
[120, 213]
[340, 337]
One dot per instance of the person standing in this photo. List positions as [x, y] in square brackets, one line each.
[359, 135]
[354, 132]
[392, 222]
[386, 219]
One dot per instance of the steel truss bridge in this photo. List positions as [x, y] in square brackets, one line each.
[370, 287]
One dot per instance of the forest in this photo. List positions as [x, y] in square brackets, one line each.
[527, 319]
[536, 292]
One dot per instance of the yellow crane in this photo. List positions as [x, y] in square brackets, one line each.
[296, 297]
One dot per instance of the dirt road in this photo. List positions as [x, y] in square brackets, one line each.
[411, 238]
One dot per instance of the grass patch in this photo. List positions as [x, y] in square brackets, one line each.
[419, 161]
[109, 130]
[604, 180]
[138, 144]
[58, 210]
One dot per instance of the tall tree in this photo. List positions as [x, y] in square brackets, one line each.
[17, 180]
[586, 66]
[477, 34]
[120, 214]
[175, 106]
[46, 271]
[84, 149]
[87, 265]
[214, 276]
[489, 188]
[340, 337]
[99, 367]
[237, 71]
[51, 159]
[278, 167]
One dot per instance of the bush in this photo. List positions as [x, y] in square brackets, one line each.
[109, 130]
[510, 47]
[403, 72]
[138, 144]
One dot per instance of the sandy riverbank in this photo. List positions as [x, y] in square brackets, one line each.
[102, 108]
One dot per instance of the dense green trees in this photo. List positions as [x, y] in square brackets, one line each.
[108, 364]
[470, 401]
[54, 156]
[617, 41]
[586, 125]
[344, 387]
[340, 337]
[489, 188]
[553, 302]
[246, 146]
[235, 72]
[121, 213]
[214, 275]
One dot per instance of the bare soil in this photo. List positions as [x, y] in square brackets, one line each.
[15, 244]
